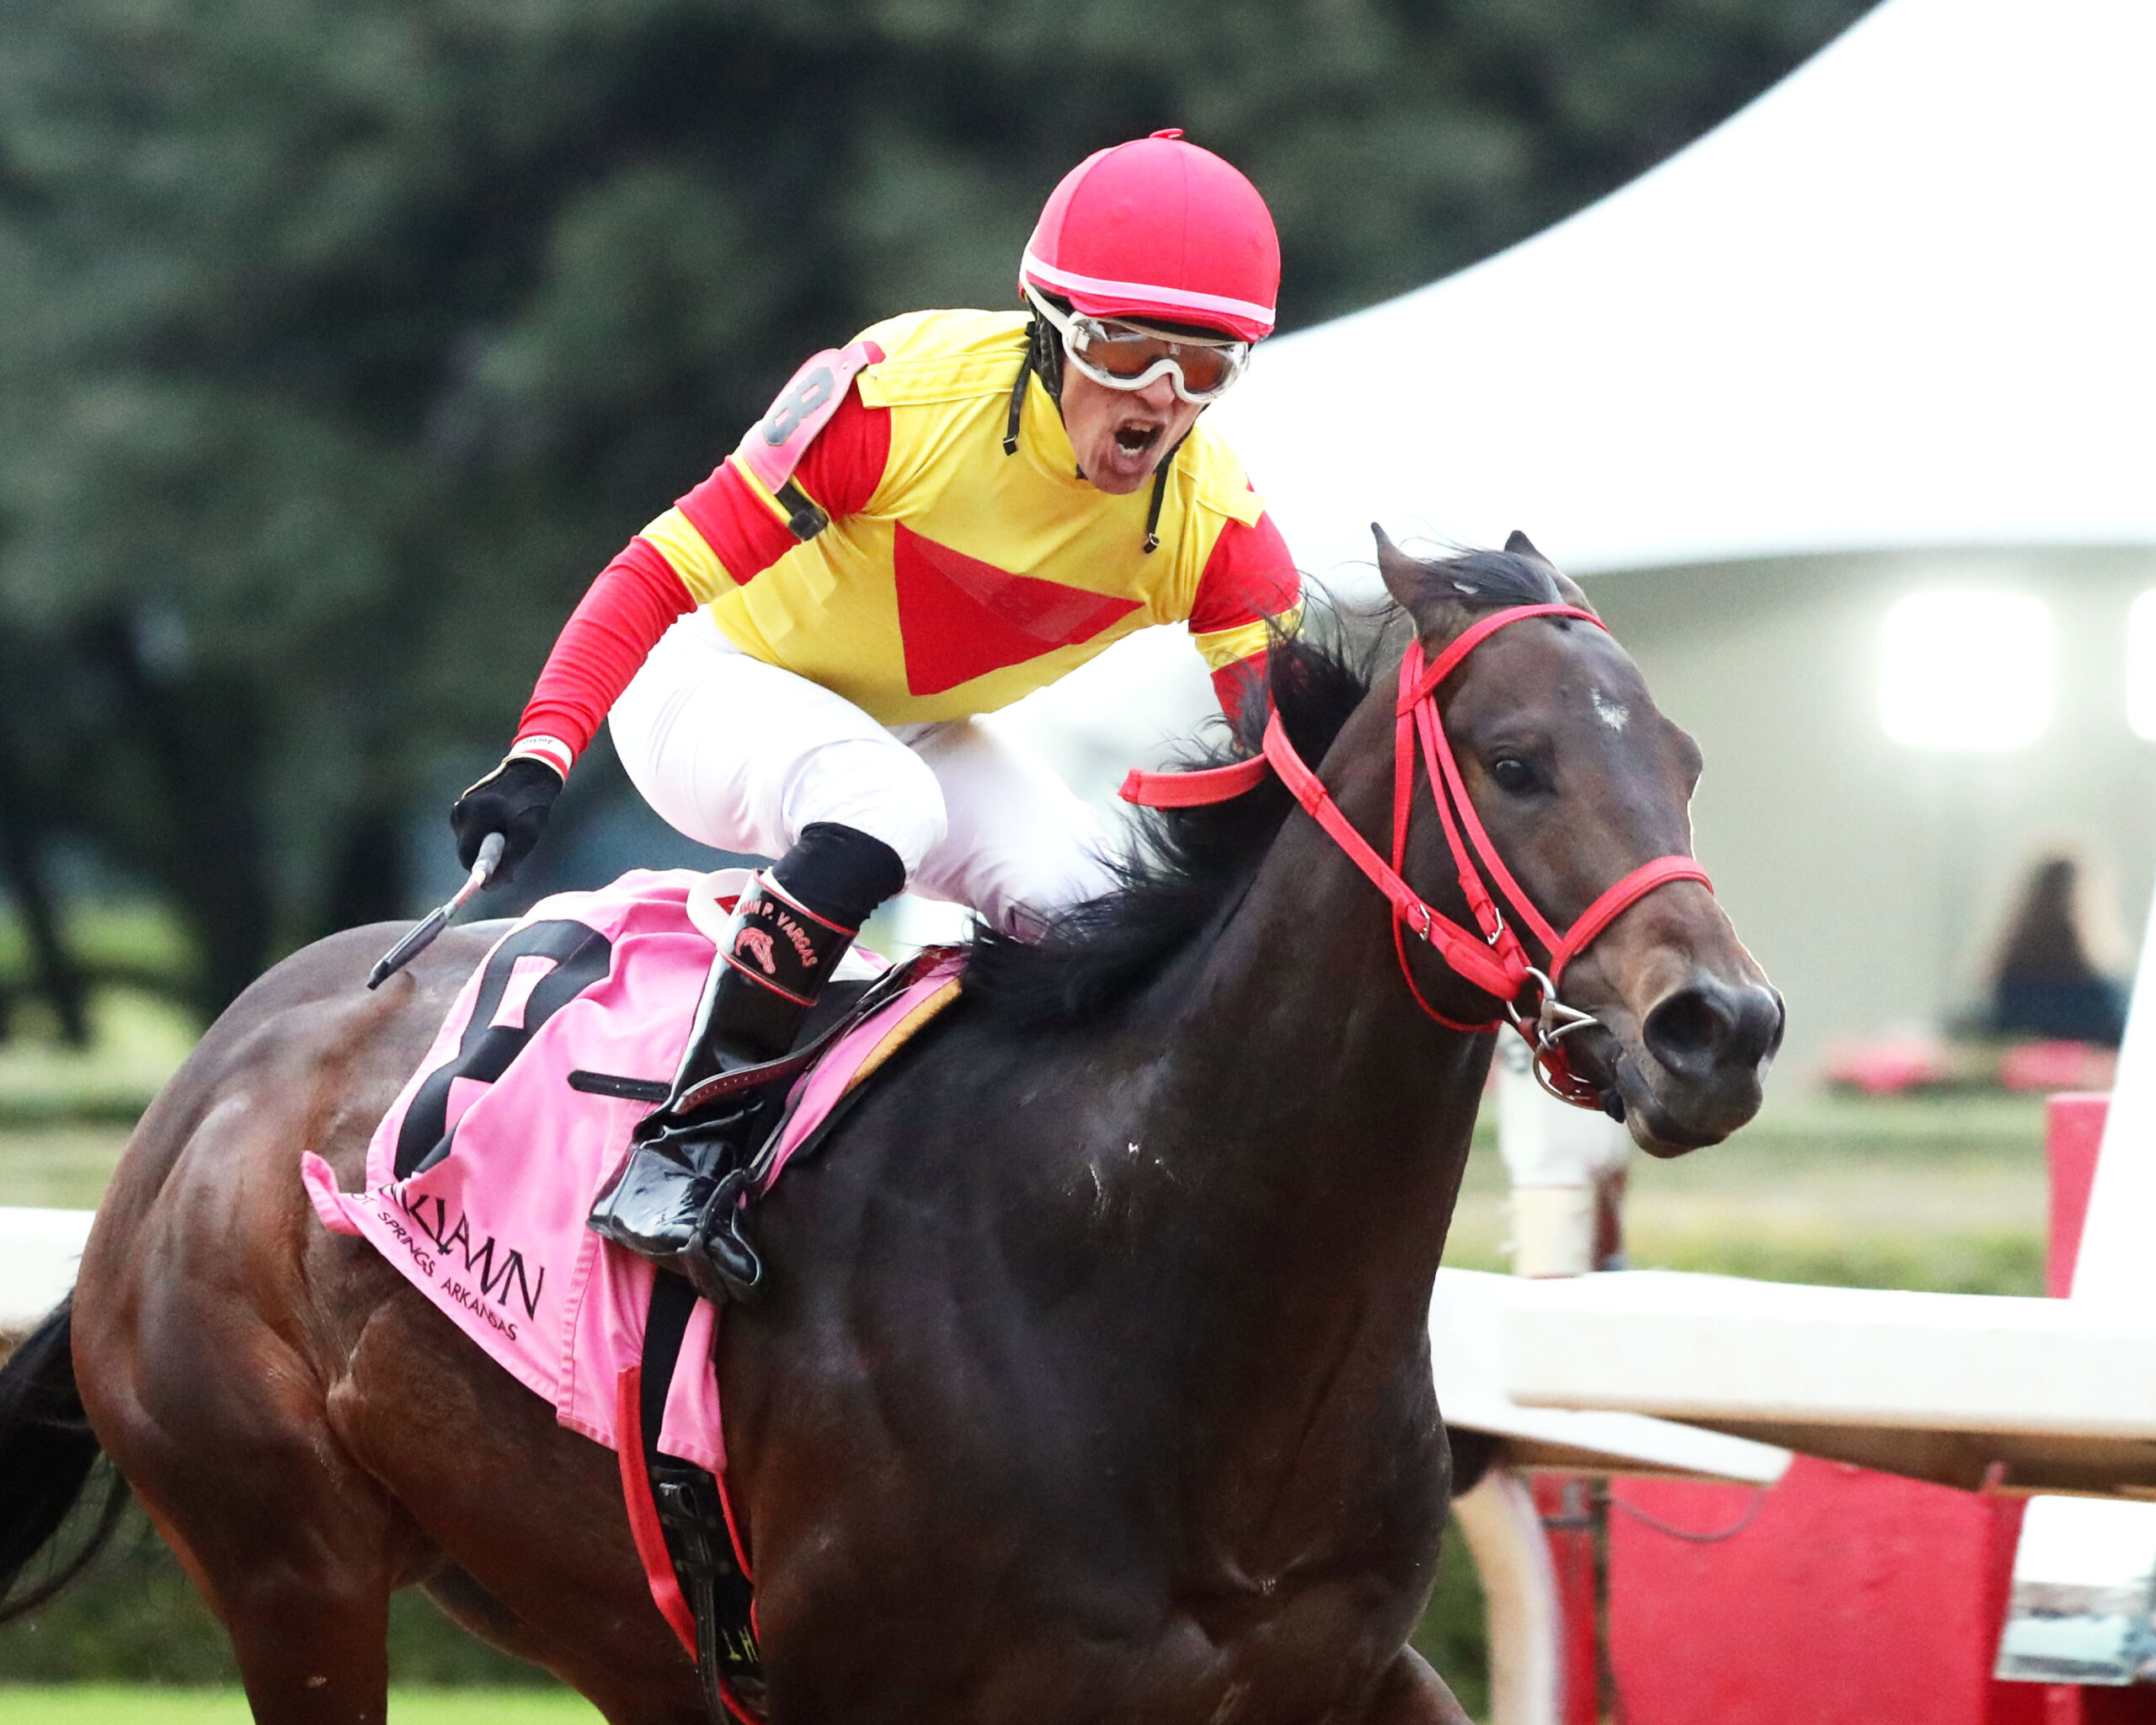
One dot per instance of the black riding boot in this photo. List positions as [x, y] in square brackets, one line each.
[677, 1199]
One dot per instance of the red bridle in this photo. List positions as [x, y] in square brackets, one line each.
[1489, 956]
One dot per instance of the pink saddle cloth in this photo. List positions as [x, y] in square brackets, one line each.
[491, 1228]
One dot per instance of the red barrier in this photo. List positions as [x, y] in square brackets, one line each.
[2073, 1132]
[1853, 1598]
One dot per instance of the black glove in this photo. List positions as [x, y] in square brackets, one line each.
[511, 800]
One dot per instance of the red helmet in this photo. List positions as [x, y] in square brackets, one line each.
[1159, 228]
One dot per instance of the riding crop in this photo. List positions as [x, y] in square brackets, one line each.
[423, 937]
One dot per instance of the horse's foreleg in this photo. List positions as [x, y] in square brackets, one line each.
[530, 1515]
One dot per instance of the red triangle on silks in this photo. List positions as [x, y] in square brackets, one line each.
[961, 618]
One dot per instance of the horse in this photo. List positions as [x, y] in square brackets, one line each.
[1091, 1381]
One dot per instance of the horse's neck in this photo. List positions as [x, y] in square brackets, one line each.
[1314, 1126]
[1325, 1114]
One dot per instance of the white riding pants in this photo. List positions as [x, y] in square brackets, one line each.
[740, 755]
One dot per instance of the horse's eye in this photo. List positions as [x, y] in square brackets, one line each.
[1512, 774]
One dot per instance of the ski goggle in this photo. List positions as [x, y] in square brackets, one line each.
[1124, 356]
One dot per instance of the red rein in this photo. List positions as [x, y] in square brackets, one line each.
[1490, 955]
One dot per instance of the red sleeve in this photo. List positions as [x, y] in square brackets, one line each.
[841, 471]
[1249, 579]
[638, 595]
[1236, 685]
[634, 601]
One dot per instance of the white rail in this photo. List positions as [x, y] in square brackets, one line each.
[1966, 1390]
[38, 1252]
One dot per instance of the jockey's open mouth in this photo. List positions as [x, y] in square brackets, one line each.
[1138, 444]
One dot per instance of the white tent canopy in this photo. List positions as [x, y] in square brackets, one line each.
[1907, 297]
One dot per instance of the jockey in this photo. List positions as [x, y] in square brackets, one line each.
[954, 511]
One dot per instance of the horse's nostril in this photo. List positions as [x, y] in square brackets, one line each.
[1709, 1025]
[1687, 1030]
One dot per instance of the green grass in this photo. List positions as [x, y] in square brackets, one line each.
[137, 1041]
[65, 1113]
[1945, 1193]
[58, 1167]
[1452, 1634]
[111, 1704]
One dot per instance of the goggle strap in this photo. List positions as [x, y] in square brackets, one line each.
[1095, 328]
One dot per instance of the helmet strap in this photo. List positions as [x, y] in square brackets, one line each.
[1160, 496]
[1043, 358]
[1043, 355]
[1017, 401]
[1047, 349]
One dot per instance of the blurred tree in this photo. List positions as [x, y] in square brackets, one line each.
[340, 344]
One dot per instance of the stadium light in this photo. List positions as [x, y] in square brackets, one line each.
[1967, 671]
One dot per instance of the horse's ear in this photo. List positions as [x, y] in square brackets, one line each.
[1408, 579]
[1568, 589]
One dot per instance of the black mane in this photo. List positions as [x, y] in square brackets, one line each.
[1188, 867]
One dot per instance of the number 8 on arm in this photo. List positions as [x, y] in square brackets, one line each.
[773, 449]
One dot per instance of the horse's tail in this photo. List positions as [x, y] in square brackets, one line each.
[47, 1451]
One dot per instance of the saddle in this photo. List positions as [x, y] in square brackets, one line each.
[553, 1051]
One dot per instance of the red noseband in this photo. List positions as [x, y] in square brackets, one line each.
[1490, 955]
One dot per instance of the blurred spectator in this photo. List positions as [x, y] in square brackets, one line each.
[2045, 983]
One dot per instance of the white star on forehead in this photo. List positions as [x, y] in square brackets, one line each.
[1613, 714]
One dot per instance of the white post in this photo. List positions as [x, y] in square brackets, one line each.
[1503, 1531]
[1559, 1160]
[2114, 1263]
[2084, 1573]
[38, 1252]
